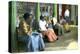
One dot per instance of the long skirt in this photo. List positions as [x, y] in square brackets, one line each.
[50, 34]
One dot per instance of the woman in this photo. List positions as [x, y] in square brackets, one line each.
[58, 28]
[46, 31]
[25, 30]
[33, 40]
[25, 25]
[65, 24]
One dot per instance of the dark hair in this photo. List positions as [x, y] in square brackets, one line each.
[41, 17]
[26, 16]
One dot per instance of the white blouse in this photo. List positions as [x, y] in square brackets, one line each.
[42, 25]
[66, 13]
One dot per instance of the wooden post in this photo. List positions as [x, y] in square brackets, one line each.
[54, 10]
[37, 15]
[12, 26]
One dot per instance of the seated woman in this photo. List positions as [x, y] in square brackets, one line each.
[33, 40]
[58, 28]
[65, 24]
[24, 30]
[47, 32]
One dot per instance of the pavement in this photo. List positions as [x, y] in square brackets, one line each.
[67, 42]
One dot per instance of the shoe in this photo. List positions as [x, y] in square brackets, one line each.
[57, 38]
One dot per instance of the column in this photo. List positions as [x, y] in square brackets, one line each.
[73, 13]
[12, 22]
[54, 10]
[37, 15]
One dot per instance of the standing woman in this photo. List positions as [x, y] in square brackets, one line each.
[46, 31]
[67, 18]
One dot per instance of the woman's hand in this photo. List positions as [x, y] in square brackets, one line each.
[46, 26]
[30, 31]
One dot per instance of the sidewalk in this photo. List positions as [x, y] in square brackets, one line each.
[64, 42]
